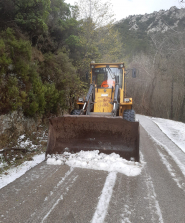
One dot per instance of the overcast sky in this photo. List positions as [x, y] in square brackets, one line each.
[124, 8]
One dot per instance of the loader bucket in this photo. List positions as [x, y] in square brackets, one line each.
[84, 132]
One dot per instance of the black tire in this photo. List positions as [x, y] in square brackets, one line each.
[76, 112]
[129, 115]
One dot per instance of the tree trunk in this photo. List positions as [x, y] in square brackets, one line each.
[172, 89]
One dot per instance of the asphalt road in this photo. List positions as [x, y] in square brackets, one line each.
[63, 194]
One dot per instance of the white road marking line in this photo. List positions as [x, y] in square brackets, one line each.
[105, 197]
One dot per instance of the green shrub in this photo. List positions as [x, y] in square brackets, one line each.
[33, 87]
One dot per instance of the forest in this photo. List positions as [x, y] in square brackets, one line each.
[46, 47]
[45, 51]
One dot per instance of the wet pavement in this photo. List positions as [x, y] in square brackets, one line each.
[48, 193]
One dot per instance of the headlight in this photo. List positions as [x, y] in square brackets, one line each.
[80, 99]
[126, 100]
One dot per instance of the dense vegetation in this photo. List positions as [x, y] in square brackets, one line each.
[45, 50]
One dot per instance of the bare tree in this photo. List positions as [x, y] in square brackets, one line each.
[159, 89]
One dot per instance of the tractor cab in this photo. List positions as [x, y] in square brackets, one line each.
[106, 77]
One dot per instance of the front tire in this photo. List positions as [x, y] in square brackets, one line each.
[129, 115]
[76, 112]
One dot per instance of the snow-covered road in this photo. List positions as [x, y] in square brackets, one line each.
[65, 193]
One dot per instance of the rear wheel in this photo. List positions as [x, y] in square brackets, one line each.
[129, 115]
[76, 112]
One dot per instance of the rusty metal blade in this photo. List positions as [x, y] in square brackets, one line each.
[84, 132]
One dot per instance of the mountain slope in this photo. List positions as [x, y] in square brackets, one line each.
[136, 30]
[162, 21]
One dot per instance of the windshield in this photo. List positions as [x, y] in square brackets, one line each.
[105, 77]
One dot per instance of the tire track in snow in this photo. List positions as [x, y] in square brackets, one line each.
[55, 196]
[175, 177]
[128, 209]
[105, 197]
[58, 200]
[163, 141]
[24, 184]
[60, 182]
[178, 162]
[151, 196]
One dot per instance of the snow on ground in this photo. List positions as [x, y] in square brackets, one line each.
[2, 164]
[96, 161]
[174, 130]
[16, 172]
[22, 142]
[163, 140]
[93, 160]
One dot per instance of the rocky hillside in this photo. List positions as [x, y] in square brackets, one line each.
[136, 30]
[162, 21]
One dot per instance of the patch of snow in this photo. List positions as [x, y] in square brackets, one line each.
[54, 161]
[174, 130]
[1, 165]
[22, 136]
[2, 162]
[26, 143]
[105, 197]
[17, 172]
[94, 160]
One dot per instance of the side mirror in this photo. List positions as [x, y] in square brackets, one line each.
[134, 72]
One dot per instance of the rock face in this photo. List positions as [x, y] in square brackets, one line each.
[15, 124]
[19, 122]
[161, 21]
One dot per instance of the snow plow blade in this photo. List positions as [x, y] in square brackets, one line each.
[84, 132]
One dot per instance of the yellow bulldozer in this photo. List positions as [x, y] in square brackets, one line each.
[105, 120]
